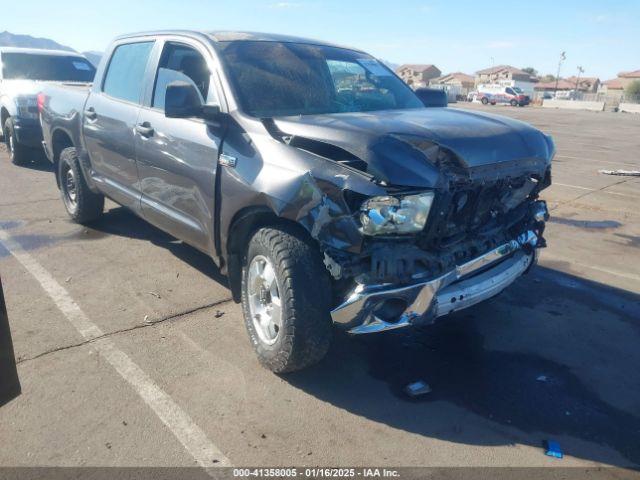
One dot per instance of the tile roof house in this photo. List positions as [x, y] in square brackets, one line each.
[417, 75]
[585, 84]
[562, 85]
[620, 83]
[456, 83]
[456, 78]
[503, 72]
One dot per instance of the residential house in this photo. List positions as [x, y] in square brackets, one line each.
[500, 73]
[561, 85]
[619, 84]
[455, 84]
[585, 84]
[417, 75]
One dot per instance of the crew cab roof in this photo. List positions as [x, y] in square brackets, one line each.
[234, 36]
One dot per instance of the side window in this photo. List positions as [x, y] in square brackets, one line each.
[125, 74]
[180, 62]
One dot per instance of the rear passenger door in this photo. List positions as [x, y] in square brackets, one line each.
[110, 118]
[177, 157]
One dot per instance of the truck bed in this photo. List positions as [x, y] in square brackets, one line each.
[62, 110]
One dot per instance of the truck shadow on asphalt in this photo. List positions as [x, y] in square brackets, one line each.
[121, 222]
[515, 396]
[37, 160]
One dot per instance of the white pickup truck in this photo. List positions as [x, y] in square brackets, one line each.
[22, 72]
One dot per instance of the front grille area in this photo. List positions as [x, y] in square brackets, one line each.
[467, 211]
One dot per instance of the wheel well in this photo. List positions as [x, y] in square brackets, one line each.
[243, 226]
[59, 140]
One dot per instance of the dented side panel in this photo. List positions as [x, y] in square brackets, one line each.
[294, 185]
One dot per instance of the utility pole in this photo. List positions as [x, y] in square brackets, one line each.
[580, 70]
[563, 57]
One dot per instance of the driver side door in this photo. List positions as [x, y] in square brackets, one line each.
[177, 157]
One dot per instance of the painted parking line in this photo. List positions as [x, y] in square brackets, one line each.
[595, 190]
[592, 160]
[190, 435]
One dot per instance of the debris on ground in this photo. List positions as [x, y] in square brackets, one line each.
[622, 173]
[552, 449]
[146, 320]
[542, 378]
[157, 295]
[68, 280]
[218, 314]
[417, 388]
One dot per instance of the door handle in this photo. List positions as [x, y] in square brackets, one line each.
[90, 113]
[145, 129]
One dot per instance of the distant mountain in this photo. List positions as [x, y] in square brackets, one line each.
[391, 65]
[8, 39]
[93, 57]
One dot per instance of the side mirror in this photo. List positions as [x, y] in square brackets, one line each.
[432, 97]
[182, 100]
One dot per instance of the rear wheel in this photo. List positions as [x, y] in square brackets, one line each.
[285, 299]
[484, 100]
[18, 154]
[82, 204]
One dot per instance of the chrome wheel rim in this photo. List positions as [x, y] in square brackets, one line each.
[11, 145]
[265, 304]
[70, 188]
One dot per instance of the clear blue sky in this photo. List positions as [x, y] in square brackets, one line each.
[456, 35]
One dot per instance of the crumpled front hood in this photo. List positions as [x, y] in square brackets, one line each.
[395, 143]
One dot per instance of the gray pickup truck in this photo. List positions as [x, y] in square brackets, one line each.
[313, 176]
[22, 73]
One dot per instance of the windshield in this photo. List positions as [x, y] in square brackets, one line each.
[517, 89]
[279, 78]
[61, 68]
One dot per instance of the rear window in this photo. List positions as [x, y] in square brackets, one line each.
[60, 68]
[125, 75]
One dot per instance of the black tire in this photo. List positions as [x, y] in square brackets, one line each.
[305, 333]
[514, 103]
[484, 100]
[82, 205]
[18, 154]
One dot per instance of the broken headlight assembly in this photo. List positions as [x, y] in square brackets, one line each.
[395, 215]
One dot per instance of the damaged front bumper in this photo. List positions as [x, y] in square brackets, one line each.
[375, 308]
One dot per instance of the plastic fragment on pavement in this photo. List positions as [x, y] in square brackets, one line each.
[553, 449]
[622, 173]
[417, 388]
[542, 378]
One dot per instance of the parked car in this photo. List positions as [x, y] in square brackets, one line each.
[21, 78]
[566, 95]
[313, 176]
[486, 98]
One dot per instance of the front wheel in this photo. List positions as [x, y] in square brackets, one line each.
[285, 299]
[485, 101]
[81, 203]
[18, 154]
[514, 103]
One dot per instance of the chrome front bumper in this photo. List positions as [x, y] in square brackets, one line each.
[464, 286]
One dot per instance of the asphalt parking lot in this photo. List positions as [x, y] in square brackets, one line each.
[554, 357]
